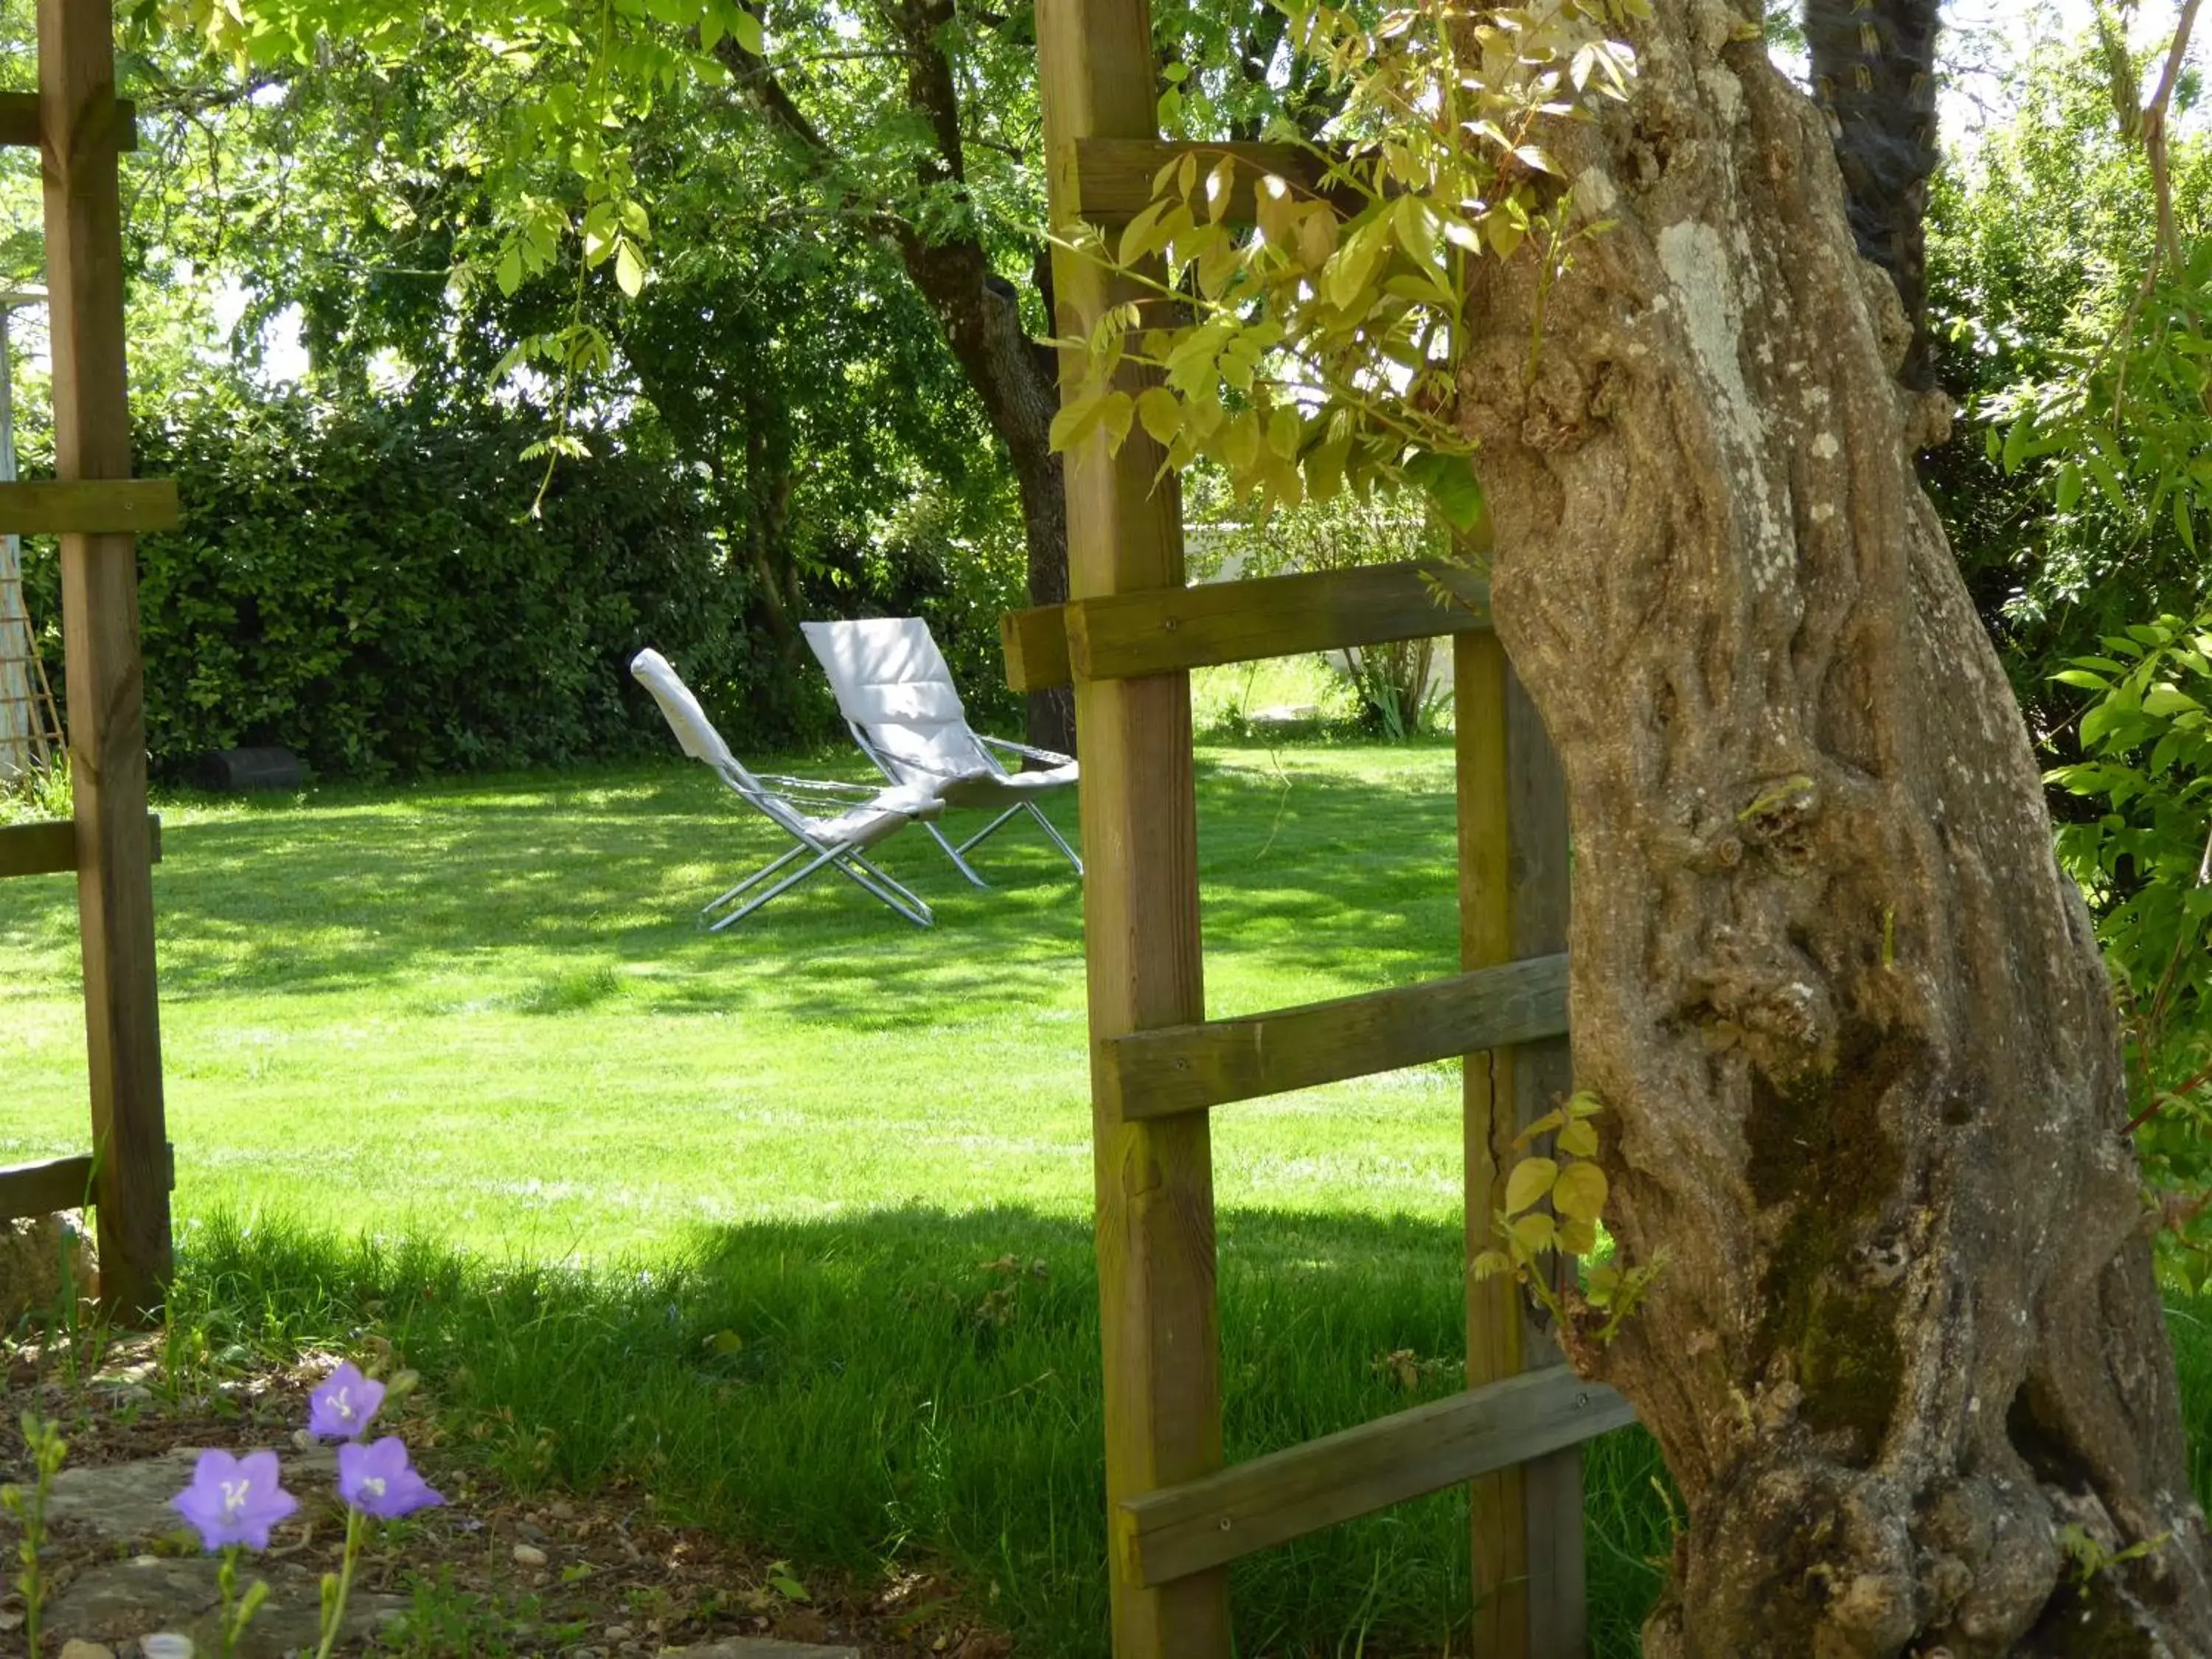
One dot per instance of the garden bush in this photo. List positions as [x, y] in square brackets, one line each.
[362, 581]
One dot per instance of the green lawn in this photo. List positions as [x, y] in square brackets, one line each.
[727, 1202]
[483, 1010]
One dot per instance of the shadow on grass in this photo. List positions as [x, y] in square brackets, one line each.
[914, 1385]
[349, 889]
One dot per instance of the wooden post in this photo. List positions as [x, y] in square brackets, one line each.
[1527, 1522]
[1155, 1180]
[99, 619]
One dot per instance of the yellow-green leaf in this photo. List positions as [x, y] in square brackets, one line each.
[1579, 1238]
[630, 270]
[1489, 1265]
[1218, 184]
[1240, 444]
[1536, 1231]
[1160, 411]
[1531, 1179]
[1079, 420]
[1137, 235]
[1579, 1138]
[746, 28]
[1580, 1192]
[1284, 431]
[1542, 1125]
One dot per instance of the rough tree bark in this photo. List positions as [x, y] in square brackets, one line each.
[1015, 378]
[1847, 1015]
[1874, 72]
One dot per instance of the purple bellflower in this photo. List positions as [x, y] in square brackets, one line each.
[341, 1408]
[234, 1500]
[378, 1480]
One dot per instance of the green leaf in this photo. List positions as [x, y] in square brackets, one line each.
[2082, 677]
[1160, 412]
[1079, 420]
[630, 270]
[1531, 1178]
[1536, 1231]
[746, 28]
[1449, 481]
[1580, 1192]
[1579, 1138]
[2070, 487]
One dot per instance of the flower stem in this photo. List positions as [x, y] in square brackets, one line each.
[334, 1605]
[226, 1579]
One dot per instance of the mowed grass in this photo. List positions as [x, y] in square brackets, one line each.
[791, 1223]
[482, 1010]
[454, 1063]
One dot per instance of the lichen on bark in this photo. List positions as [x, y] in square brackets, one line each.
[1848, 1014]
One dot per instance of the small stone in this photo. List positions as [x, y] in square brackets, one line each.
[529, 1555]
[75, 1648]
[617, 1633]
[562, 1512]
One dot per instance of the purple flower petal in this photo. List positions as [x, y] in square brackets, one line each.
[378, 1479]
[234, 1500]
[341, 1409]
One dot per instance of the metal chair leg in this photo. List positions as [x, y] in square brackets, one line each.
[954, 853]
[784, 885]
[881, 882]
[1058, 839]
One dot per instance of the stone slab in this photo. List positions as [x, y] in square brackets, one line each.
[128, 1503]
[121, 1600]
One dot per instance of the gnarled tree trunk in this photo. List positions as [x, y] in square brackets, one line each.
[1847, 1015]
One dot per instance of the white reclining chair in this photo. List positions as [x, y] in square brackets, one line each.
[896, 694]
[839, 842]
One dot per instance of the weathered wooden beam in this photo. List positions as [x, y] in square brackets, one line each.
[1187, 1068]
[1129, 635]
[1036, 646]
[1154, 1186]
[36, 1189]
[1227, 1516]
[88, 506]
[50, 848]
[1113, 177]
[19, 121]
[1526, 1521]
[100, 626]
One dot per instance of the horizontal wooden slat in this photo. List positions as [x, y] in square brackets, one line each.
[1036, 645]
[1222, 1517]
[1128, 636]
[19, 120]
[1187, 1068]
[89, 507]
[1114, 176]
[34, 1189]
[49, 848]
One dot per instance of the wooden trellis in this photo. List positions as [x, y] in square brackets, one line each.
[97, 509]
[1128, 642]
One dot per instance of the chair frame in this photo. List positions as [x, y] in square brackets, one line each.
[848, 859]
[987, 746]
[772, 796]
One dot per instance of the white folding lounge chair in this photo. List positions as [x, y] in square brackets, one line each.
[840, 843]
[896, 694]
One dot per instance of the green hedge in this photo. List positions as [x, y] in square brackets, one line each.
[364, 586]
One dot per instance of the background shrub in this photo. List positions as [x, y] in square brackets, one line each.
[361, 581]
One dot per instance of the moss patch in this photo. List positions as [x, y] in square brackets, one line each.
[1818, 1148]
